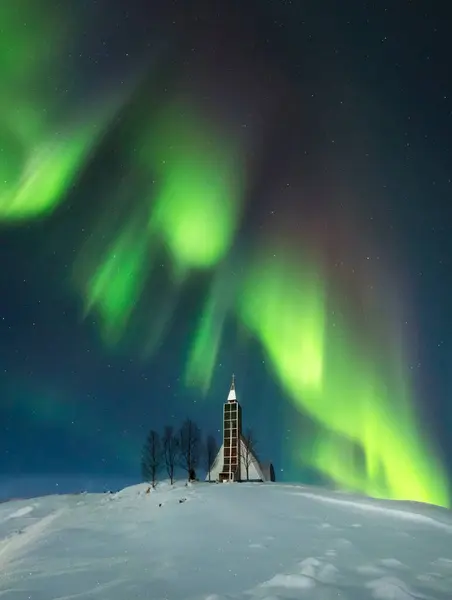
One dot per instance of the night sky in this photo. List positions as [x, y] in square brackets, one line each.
[193, 189]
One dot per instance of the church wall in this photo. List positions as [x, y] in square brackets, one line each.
[254, 470]
[217, 465]
[256, 473]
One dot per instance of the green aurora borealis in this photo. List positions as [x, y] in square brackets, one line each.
[40, 155]
[351, 381]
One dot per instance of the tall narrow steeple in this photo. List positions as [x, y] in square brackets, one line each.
[231, 396]
[236, 460]
[232, 436]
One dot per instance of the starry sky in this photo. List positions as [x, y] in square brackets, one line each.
[191, 189]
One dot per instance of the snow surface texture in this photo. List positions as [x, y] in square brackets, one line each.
[223, 542]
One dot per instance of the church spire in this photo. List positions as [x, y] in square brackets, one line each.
[232, 397]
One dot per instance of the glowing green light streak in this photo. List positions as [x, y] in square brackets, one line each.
[40, 153]
[200, 192]
[355, 396]
[207, 341]
[35, 178]
[116, 285]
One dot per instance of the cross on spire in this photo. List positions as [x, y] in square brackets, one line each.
[232, 397]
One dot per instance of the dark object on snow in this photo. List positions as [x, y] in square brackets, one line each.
[268, 471]
[182, 500]
[192, 475]
[160, 505]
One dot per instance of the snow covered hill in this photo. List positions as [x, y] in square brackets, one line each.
[218, 542]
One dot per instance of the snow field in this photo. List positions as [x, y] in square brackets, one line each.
[223, 542]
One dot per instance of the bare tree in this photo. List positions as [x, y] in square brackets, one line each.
[249, 451]
[211, 453]
[170, 451]
[151, 458]
[190, 447]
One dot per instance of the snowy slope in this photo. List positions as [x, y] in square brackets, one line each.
[229, 541]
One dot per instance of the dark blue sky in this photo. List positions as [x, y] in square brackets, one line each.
[353, 98]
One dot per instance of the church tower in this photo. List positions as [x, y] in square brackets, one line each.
[235, 461]
[232, 435]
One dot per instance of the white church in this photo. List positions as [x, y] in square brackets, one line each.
[235, 461]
